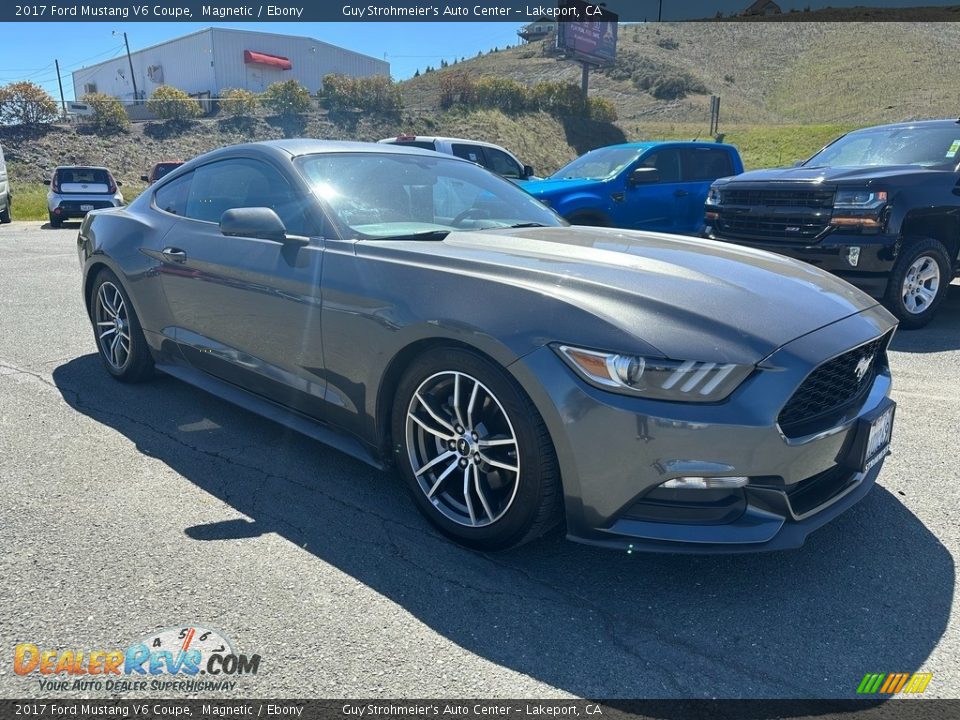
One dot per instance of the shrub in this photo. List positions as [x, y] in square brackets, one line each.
[502, 93]
[286, 98]
[169, 103]
[601, 110]
[25, 103]
[373, 94]
[237, 102]
[457, 88]
[108, 113]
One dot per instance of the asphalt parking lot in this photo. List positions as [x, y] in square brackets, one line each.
[131, 509]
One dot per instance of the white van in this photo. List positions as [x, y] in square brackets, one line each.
[4, 190]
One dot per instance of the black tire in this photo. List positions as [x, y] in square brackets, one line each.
[55, 222]
[135, 364]
[897, 286]
[5, 213]
[515, 513]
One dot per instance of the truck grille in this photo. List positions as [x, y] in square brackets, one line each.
[798, 198]
[830, 389]
[778, 227]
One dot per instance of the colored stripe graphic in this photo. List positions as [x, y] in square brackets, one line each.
[893, 683]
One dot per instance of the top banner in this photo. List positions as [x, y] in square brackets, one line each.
[513, 11]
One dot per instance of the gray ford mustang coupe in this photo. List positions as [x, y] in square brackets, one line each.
[414, 310]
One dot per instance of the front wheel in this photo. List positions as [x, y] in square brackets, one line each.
[474, 451]
[919, 282]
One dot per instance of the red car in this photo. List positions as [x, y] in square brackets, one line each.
[159, 170]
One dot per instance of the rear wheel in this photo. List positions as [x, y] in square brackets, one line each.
[5, 213]
[55, 221]
[474, 452]
[120, 342]
[919, 282]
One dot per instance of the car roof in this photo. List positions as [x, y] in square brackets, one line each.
[435, 138]
[295, 147]
[648, 144]
[81, 167]
[952, 122]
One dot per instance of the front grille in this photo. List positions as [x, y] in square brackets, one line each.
[771, 227]
[810, 494]
[830, 389]
[795, 197]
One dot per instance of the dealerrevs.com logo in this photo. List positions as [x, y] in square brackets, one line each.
[189, 658]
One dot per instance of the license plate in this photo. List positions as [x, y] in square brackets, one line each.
[86, 207]
[878, 438]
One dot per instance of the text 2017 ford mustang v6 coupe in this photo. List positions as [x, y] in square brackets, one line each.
[416, 310]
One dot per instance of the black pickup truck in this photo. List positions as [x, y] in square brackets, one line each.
[879, 207]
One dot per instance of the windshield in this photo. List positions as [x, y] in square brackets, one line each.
[598, 164]
[391, 196]
[926, 146]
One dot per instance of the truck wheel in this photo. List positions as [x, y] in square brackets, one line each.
[919, 282]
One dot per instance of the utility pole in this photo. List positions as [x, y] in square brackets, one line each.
[63, 103]
[584, 78]
[133, 78]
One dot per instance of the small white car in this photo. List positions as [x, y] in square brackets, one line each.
[4, 190]
[492, 157]
[76, 190]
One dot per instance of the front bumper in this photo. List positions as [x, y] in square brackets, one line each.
[875, 255]
[614, 450]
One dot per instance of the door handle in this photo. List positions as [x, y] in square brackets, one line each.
[174, 254]
[680, 193]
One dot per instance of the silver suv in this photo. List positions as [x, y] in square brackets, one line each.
[492, 157]
[76, 190]
[4, 190]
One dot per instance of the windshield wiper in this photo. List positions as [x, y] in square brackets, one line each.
[526, 225]
[428, 235]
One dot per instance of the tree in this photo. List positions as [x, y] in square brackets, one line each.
[238, 102]
[25, 103]
[286, 98]
[169, 103]
[108, 113]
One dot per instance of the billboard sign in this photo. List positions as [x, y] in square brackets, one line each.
[587, 33]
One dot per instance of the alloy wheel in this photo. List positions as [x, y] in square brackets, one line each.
[920, 284]
[112, 326]
[463, 449]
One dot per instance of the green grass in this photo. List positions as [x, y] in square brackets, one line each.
[30, 200]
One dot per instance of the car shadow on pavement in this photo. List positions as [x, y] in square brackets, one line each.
[870, 592]
[943, 332]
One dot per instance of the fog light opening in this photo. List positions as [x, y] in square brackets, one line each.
[853, 256]
[705, 483]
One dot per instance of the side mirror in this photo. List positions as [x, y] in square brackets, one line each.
[119, 183]
[46, 182]
[644, 176]
[798, 163]
[528, 172]
[254, 222]
[145, 178]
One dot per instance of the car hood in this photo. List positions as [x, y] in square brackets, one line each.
[688, 298]
[823, 174]
[545, 188]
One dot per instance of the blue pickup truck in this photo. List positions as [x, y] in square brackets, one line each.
[659, 186]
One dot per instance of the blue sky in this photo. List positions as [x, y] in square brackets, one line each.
[27, 50]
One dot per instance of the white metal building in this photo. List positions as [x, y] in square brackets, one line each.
[214, 59]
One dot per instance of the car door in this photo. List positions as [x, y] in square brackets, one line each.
[247, 310]
[654, 205]
[502, 164]
[699, 167]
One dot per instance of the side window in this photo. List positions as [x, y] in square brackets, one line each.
[502, 164]
[700, 164]
[240, 183]
[172, 197]
[473, 153]
[667, 163]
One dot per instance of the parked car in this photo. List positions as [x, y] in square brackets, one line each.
[879, 207]
[493, 157]
[5, 197]
[159, 170]
[76, 190]
[656, 392]
[657, 186]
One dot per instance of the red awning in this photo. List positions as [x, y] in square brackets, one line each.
[258, 58]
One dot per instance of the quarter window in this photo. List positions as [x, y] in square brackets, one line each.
[172, 197]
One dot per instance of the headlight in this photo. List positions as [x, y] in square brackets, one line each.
[713, 196]
[656, 378]
[860, 199]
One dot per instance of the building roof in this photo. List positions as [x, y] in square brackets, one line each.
[760, 6]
